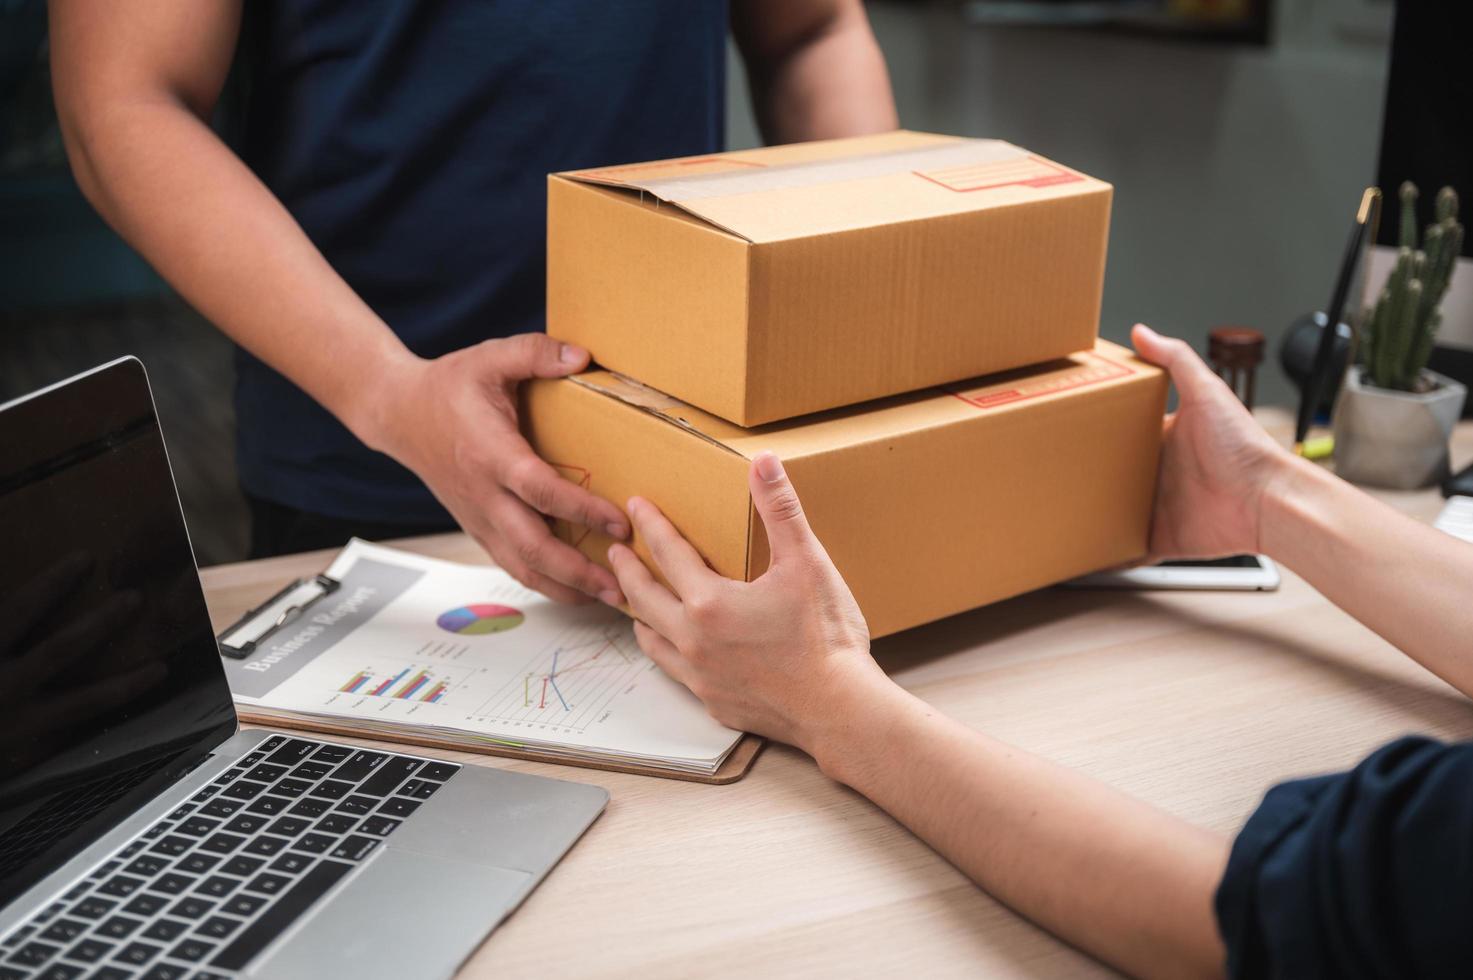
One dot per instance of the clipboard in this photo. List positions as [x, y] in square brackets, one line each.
[736, 765]
[290, 603]
[239, 639]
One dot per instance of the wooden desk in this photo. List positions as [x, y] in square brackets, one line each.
[1195, 702]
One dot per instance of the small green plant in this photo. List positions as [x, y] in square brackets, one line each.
[1402, 326]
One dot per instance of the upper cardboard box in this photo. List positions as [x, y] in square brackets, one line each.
[764, 284]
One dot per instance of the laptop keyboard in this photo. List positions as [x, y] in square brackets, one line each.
[206, 888]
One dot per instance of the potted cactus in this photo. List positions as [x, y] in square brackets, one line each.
[1394, 417]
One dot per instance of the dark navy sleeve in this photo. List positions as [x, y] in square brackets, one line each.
[1367, 873]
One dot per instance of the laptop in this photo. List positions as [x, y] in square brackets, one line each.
[142, 832]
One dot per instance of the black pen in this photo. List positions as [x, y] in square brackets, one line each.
[1310, 398]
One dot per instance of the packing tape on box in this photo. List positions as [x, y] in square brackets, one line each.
[748, 180]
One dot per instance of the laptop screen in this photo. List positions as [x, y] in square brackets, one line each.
[110, 680]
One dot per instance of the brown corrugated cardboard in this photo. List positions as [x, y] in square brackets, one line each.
[929, 503]
[764, 284]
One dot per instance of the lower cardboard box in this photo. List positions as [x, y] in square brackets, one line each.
[929, 504]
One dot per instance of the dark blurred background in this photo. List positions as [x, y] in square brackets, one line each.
[73, 295]
[1238, 134]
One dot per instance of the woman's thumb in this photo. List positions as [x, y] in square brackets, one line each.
[777, 503]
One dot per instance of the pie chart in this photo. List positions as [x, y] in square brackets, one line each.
[479, 619]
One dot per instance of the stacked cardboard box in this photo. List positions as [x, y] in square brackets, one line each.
[908, 320]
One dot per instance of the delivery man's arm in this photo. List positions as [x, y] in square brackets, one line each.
[814, 69]
[135, 84]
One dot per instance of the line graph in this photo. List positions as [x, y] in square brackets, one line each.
[569, 683]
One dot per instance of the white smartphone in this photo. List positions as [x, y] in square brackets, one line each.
[1247, 573]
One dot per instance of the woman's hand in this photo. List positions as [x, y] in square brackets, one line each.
[782, 656]
[1217, 463]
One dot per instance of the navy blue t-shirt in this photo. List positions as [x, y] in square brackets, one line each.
[412, 141]
[1363, 874]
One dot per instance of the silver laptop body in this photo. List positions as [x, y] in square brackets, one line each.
[142, 833]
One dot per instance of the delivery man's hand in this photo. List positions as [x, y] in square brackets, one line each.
[773, 656]
[453, 421]
[1216, 462]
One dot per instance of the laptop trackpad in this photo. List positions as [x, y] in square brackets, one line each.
[404, 914]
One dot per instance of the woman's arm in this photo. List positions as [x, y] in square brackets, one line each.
[1108, 873]
[788, 656]
[1409, 582]
[1226, 488]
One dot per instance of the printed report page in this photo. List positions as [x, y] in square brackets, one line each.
[412, 641]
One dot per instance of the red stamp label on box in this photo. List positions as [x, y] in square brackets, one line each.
[1088, 369]
[1028, 171]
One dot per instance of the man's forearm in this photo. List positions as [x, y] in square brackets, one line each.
[1114, 876]
[1409, 582]
[828, 80]
[167, 183]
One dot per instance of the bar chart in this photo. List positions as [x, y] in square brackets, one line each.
[410, 683]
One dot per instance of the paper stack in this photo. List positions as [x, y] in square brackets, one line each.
[408, 645]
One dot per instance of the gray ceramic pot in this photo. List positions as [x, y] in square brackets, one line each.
[1395, 439]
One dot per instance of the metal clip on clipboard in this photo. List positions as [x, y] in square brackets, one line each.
[240, 640]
